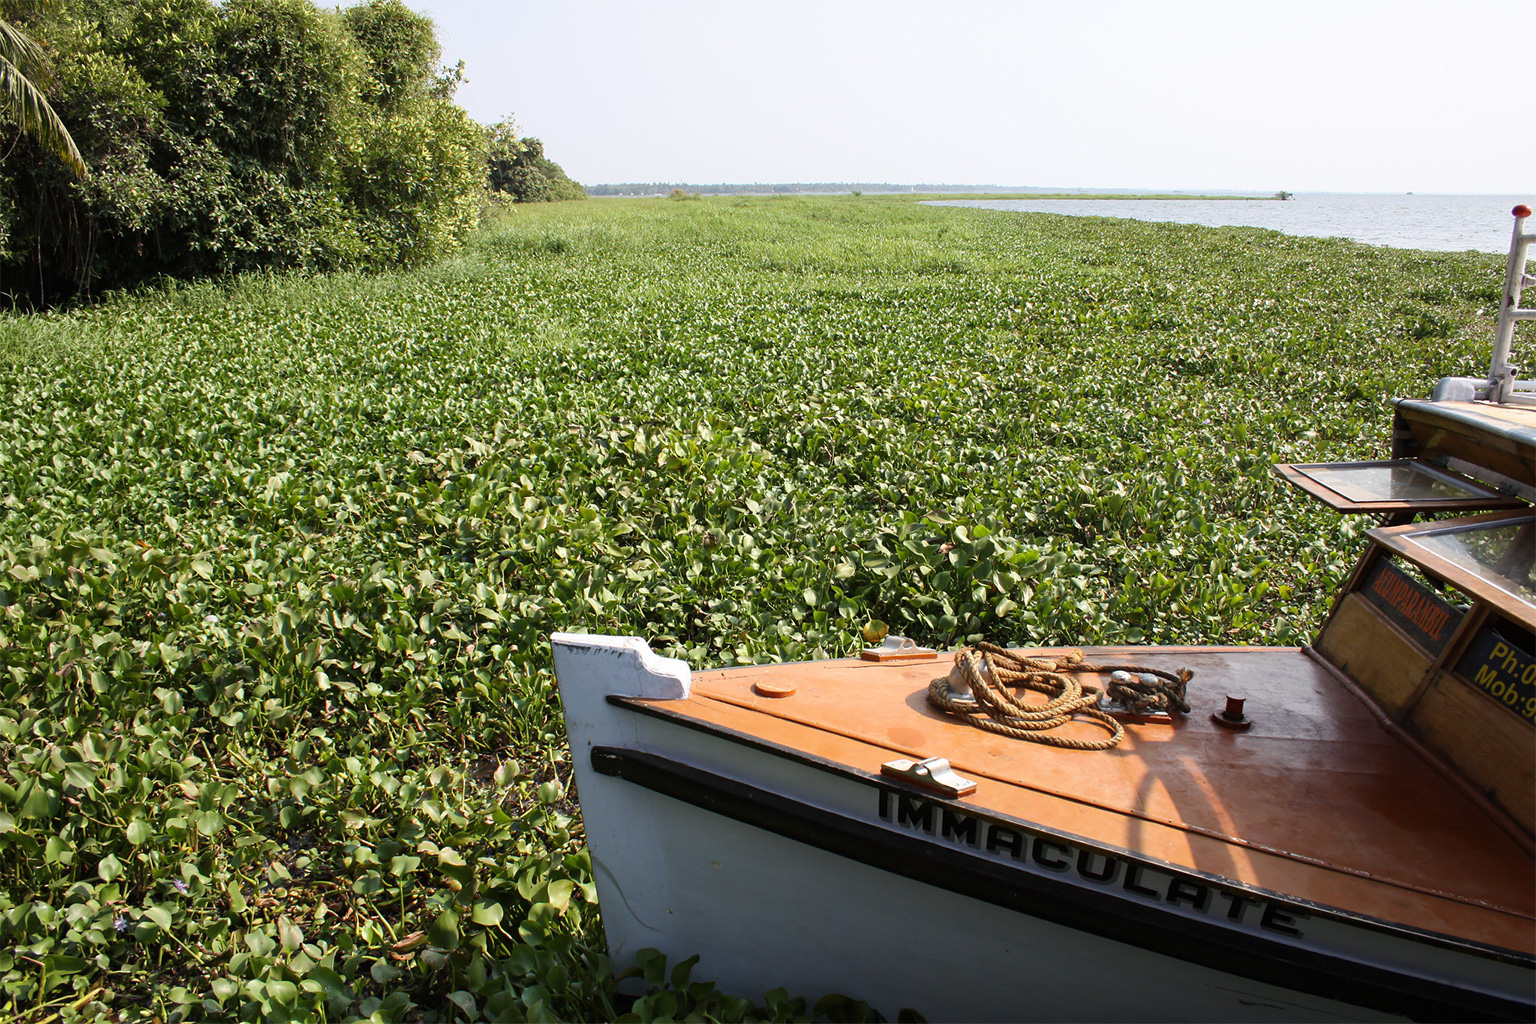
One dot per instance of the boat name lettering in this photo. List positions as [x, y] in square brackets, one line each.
[1422, 613]
[1098, 866]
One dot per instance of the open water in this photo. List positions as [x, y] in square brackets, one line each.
[1445, 223]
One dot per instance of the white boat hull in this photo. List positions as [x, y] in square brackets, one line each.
[779, 871]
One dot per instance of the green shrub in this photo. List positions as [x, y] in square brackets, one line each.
[518, 167]
[237, 136]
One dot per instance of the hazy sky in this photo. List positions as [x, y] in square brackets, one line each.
[1335, 96]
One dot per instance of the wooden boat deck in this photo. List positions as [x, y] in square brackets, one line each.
[1318, 799]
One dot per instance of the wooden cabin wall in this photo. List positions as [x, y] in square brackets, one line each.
[1496, 750]
[1491, 747]
[1375, 654]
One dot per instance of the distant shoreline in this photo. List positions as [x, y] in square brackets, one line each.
[1032, 196]
[918, 192]
[928, 197]
[1448, 223]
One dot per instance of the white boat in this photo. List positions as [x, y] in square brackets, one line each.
[1352, 843]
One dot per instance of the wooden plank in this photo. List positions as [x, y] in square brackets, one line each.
[1470, 624]
[1363, 644]
[1351, 583]
[1496, 750]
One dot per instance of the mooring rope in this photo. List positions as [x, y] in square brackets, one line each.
[992, 673]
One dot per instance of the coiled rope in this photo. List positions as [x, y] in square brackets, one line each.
[992, 673]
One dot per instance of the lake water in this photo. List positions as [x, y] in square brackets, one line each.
[1444, 223]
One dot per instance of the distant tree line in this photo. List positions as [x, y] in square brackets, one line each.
[218, 136]
[654, 188]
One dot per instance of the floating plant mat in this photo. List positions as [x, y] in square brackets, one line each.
[279, 558]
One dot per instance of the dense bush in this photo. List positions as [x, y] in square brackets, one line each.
[234, 136]
[518, 167]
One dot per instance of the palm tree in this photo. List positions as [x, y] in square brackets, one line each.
[22, 61]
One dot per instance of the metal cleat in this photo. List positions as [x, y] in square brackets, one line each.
[933, 774]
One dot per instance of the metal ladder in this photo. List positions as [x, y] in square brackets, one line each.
[1503, 384]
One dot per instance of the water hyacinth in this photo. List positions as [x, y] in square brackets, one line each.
[279, 558]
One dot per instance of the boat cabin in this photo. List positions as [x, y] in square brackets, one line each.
[1436, 622]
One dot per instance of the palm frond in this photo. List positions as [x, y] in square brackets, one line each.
[22, 52]
[21, 60]
[29, 108]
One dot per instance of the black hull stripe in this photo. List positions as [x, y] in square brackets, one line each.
[1059, 902]
[1313, 909]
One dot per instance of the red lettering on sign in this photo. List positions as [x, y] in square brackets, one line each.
[1417, 607]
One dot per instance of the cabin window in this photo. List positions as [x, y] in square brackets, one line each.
[1491, 557]
[1393, 486]
[1387, 481]
[1503, 554]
